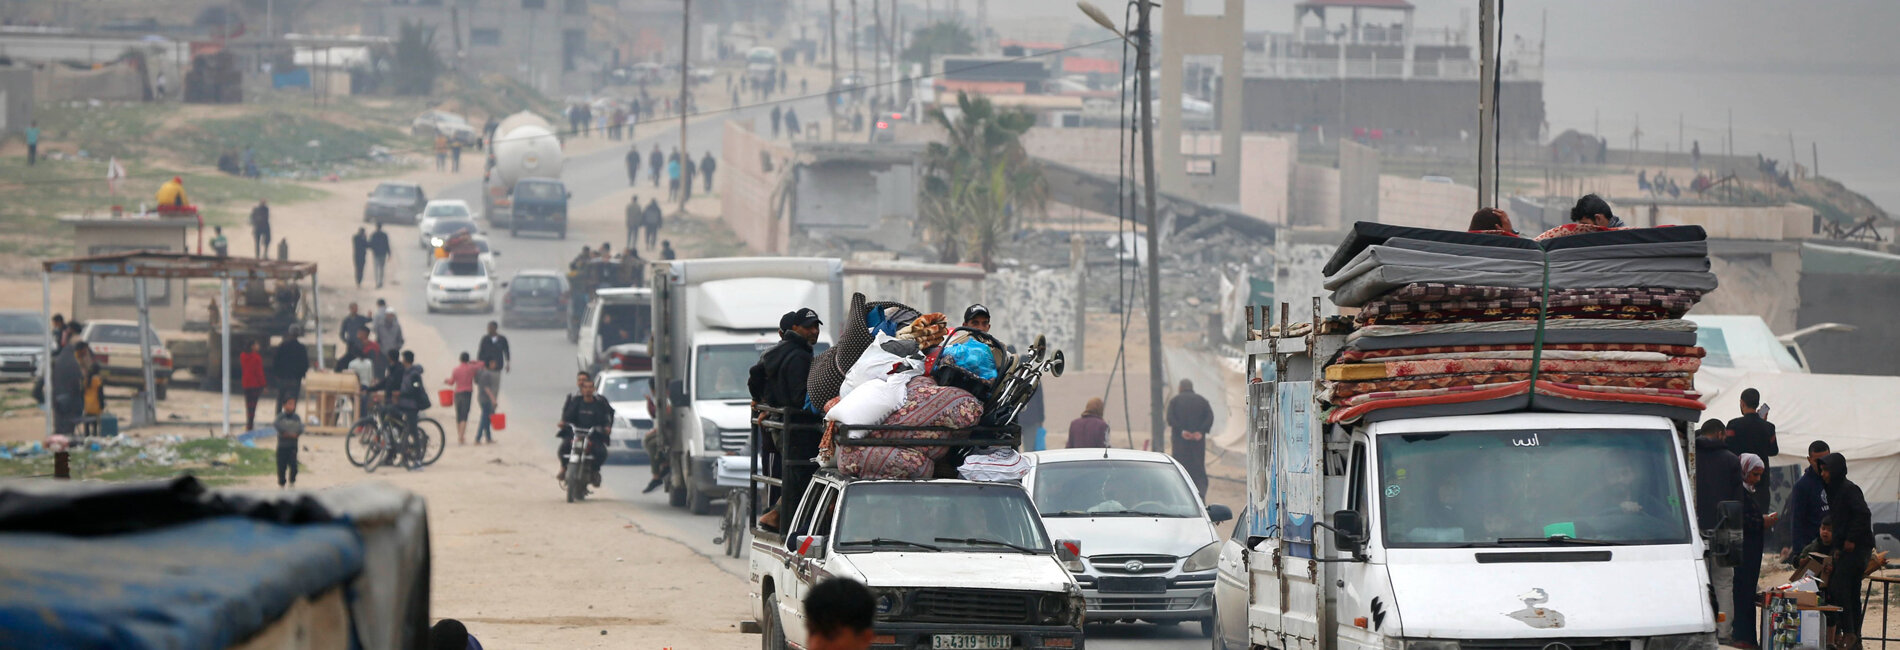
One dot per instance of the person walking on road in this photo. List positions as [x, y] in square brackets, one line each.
[379, 251]
[1853, 530]
[289, 428]
[1807, 502]
[1718, 478]
[1191, 418]
[634, 222]
[656, 163]
[33, 143]
[352, 322]
[461, 380]
[673, 179]
[666, 250]
[455, 156]
[1089, 430]
[653, 218]
[1751, 434]
[494, 348]
[488, 395]
[359, 253]
[706, 168]
[777, 117]
[688, 169]
[290, 364]
[441, 152]
[251, 377]
[260, 227]
[791, 123]
[633, 165]
[839, 613]
[389, 333]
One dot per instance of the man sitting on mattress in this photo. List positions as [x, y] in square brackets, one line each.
[1591, 214]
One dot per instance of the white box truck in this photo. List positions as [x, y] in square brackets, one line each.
[711, 320]
[1516, 530]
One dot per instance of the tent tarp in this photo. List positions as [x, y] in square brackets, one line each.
[1853, 413]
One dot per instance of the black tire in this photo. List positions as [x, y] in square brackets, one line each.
[376, 451]
[1209, 628]
[771, 634]
[356, 444]
[440, 440]
[675, 488]
[698, 501]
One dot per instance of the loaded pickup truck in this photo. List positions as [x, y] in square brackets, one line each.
[953, 563]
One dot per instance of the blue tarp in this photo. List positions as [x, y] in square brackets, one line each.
[209, 583]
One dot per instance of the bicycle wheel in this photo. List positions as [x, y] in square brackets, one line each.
[431, 444]
[376, 449]
[738, 510]
[355, 445]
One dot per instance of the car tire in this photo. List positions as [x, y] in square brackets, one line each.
[772, 634]
[698, 501]
[1210, 628]
[675, 485]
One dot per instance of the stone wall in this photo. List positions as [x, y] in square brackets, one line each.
[1315, 197]
[752, 168]
[1267, 162]
[1413, 202]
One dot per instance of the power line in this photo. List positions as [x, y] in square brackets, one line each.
[419, 149]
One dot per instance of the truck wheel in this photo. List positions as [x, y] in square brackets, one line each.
[675, 485]
[1208, 628]
[698, 501]
[772, 637]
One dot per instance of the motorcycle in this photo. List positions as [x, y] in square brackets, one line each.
[579, 457]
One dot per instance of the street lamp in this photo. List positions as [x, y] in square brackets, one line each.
[1144, 46]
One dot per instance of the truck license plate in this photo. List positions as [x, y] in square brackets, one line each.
[971, 642]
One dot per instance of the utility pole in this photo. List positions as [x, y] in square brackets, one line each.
[831, 94]
[1487, 104]
[877, 72]
[857, 74]
[1144, 63]
[686, 79]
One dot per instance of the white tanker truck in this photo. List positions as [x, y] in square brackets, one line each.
[524, 177]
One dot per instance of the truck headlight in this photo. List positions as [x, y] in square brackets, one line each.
[709, 436]
[1053, 608]
[435, 242]
[1203, 560]
[1692, 641]
[481, 286]
[890, 603]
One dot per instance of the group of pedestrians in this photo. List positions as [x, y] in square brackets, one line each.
[1190, 419]
[646, 219]
[366, 246]
[78, 381]
[477, 381]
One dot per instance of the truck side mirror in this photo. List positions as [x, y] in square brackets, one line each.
[1069, 552]
[1219, 513]
[811, 546]
[676, 391]
[1349, 531]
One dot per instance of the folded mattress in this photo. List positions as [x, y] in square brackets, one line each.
[1382, 269]
[1366, 234]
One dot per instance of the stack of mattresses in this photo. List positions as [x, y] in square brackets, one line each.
[1455, 323]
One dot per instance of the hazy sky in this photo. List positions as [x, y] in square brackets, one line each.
[1827, 73]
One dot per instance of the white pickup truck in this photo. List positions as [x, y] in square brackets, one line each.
[954, 564]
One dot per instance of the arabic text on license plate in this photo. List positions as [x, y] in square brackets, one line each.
[970, 642]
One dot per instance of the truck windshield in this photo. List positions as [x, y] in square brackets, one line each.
[625, 388]
[1476, 488]
[538, 191]
[1113, 488]
[720, 371]
[950, 516]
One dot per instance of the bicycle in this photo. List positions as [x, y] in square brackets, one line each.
[378, 437]
[737, 523]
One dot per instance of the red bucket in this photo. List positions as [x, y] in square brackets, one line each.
[447, 397]
[498, 421]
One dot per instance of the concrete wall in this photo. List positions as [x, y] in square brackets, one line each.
[120, 83]
[1413, 202]
[1436, 109]
[748, 185]
[16, 101]
[1267, 162]
[530, 47]
[1755, 279]
[1095, 150]
[1777, 222]
[1840, 298]
[113, 298]
[1315, 197]
[1358, 182]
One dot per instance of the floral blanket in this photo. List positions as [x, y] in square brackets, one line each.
[1396, 354]
[1341, 390]
[1394, 369]
[926, 404]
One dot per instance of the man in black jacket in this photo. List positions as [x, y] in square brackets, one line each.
[1853, 529]
[1191, 418]
[290, 366]
[586, 410]
[1718, 478]
[354, 321]
[778, 380]
[379, 251]
[359, 253]
[1807, 502]
[1750, 434]
[494, 348]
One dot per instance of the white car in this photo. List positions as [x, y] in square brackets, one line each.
[1148, 546]
[627, 391]
[438, 211]
[463, 286]
[449, 124]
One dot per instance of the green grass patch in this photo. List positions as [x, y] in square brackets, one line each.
[214, 459]
[39, 195]
[283, 142]
[105, 130]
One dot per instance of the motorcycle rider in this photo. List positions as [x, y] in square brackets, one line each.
[584, 410]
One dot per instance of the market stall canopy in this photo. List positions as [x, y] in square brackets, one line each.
[172, 265]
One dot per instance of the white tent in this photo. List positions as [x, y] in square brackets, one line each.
[1855, 414]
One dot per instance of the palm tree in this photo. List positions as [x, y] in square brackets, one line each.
[938, 38]
[980, 183]
[416, 64]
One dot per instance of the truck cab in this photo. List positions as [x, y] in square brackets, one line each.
[618, 324]
[953, 563]
[1520, 529]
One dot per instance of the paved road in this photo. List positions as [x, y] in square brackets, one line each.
[544, 361]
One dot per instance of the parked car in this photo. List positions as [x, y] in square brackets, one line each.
[115, 347]
[535, 297]
[395, 203]
[461, 286]
[22, 343]
[452, 125]
[1148, 546]
[627, 391]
